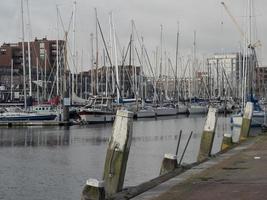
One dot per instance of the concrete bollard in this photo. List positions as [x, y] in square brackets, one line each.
[117, 152]
[246, 121]
[93, 190]
[227, 141]
[208, 135]
[169, 163]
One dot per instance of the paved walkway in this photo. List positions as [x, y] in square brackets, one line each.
[241, 173]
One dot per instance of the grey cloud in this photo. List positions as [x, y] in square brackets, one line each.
[203, 16]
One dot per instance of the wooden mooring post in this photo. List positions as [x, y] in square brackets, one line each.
[208, 135]
[116, 160]
[93, 190]
[169, 163]
[246, 121]
[118, 152]
[227, 141]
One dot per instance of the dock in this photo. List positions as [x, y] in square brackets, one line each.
[240, 173]
[34, 123]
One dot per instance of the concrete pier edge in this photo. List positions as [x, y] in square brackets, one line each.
[195, 170]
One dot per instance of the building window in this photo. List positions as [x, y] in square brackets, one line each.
[42, 51]
[3, 51]
[41, 45]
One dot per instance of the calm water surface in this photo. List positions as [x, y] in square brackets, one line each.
[54, 163]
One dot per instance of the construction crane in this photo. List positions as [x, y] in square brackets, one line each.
[233, 19]
[251, 46]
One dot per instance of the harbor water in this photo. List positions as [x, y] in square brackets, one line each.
[54, 162]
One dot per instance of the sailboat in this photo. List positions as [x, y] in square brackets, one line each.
[145, 112]
[182, 108]
[167, 110]
[17, 114]
[99, 110]
[197, 109]
[249, 63]
[258, 116]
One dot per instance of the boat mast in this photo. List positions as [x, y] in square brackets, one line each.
[107, 76]
[65, 93]
[156, 77]
[130, 61]
[111, 53]
[11, 80]
[23, 56]
[74, 47]
[250, 46]
[160, 65]
[96, 57]
[45, 77]
[92, 62]
[133, 63]
[116, 61]
[194, 65]
[143, 96]
[29, 50]
[176, 88]
[81, 76]
[166, 66]
[37, 79]
[57, 72]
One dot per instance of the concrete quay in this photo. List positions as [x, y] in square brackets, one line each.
[240, 173]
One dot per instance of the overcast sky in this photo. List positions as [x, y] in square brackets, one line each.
[216, 33]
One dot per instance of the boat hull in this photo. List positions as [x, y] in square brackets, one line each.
[28, 118]
[162, 111]
[182, 109]
[257, 119]
[145, 114]
[196, 109]
[97, 117]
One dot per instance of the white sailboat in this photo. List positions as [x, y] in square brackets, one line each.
[99, 110]
[198, 109]
[257, 119]
[146, 112]
[165, 111]
[181, 108]
[17, 114]
[249, 64]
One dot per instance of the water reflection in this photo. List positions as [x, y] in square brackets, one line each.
[38, 137]
[41, 159]
[30, 137]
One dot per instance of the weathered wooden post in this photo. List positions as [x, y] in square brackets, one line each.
[227, 141]
[246, 121]
[208, 135]
[117, 152]
[169, 163]
[93, 190]
[116, 160]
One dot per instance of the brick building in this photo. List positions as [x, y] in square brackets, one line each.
[261, 81]
[42, 51]
[126, 77]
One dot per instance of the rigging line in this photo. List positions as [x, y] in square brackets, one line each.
[109, 59]
[127, 72]
[150, 66]
[61, 21]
